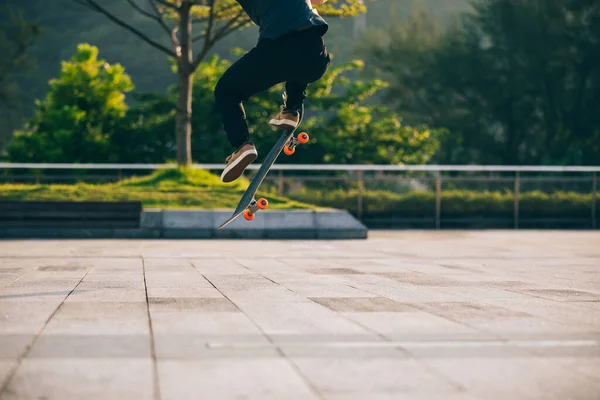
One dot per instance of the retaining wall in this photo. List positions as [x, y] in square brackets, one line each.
[203, 224]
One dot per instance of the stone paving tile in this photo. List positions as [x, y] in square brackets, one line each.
[591, 305]
[12, 345]
[5, 369]
[588, 366]
[256, 378]
[414, 324]
[99, 318]
[307, 262]
[55, 269]
[8, 278]
[26, 315]
[477, 348]
[132, 278]
[221, 266]
[315, 285]
[403, 396]
[330, 289]
[214, 345]
[169, 263]
[389, 288]
[522, 378]
[334, 271]
[301, 317]
[31, 284]
[566, 295]
[208, 304]
[470, 311]
[354, 352]
[242, 283]
[586, 348]
[59, 379]
[167, 278]
[69, 346]
[485, 290]
[527, 328]
[262, 265]
[363, 376]
[570, 314]
[174, 290]
[103, 285]
[362, 304]
[110, 295]
[422, 279]
[197, 322]
[415, 315]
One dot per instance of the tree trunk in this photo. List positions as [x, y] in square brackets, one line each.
[183, 118]
[183, 113]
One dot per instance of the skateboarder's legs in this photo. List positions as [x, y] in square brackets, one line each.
[297, 59]
[251, 74]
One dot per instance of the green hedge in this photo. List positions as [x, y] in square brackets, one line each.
[453, 202]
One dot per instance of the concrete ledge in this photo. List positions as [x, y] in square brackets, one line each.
[338, 224]
[203, 224]
[77, 233]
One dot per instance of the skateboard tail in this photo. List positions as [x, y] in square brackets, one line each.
[224, 224]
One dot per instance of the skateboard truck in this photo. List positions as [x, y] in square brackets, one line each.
[290, 147]
[254, 206]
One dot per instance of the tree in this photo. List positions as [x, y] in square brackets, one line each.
[517, 81]
[177, 18]
[84, 119]
[343, 127]
[346, 128]
[79, 115]
[17, 34]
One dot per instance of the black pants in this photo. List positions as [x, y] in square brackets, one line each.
[297, 59]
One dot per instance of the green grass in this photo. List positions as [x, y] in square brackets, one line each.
[454, 202]
[172, 188]
[192, 188]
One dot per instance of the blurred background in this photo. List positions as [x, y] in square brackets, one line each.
[512, 83]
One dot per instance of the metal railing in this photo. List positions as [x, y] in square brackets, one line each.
[581, 179]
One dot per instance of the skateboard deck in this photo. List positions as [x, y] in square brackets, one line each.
[248, 201]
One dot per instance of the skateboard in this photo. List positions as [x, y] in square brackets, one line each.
[248, 205]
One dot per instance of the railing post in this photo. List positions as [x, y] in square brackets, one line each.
[280, 183]
[594, 196]
[359, 204]
[438, 200]
[516, 199]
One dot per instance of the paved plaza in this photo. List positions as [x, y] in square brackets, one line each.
[401, 315]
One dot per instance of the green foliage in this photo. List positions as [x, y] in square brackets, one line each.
[172, 188]
[516, 82]
[145, 135]
[80, 113]
[84, 119]
[17, 35]
[65, 25]
[344, 128]
[453, 202]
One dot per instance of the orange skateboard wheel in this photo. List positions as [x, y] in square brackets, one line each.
[248, 216]
[288, 150]
[303, 138]
[262, 204]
